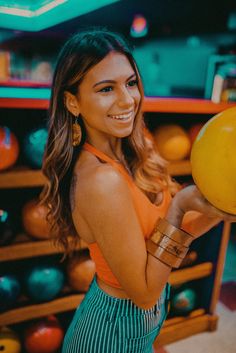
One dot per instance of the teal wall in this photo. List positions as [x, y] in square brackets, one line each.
[178, 66]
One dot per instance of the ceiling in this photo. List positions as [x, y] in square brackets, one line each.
[38, 15]
[165, 17]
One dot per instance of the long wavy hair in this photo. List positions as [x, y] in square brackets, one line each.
[79, 54]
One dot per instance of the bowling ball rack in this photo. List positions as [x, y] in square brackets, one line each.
[202, 318]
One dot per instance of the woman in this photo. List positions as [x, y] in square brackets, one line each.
[108, 186]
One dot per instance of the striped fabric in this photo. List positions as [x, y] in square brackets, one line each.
[105, 324]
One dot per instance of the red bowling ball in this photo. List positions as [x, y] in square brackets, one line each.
[44, 336]
[194, 130]
[9, 148]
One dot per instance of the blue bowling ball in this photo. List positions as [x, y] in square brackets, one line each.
[184, 302]
[34, 145]
[44, 282]
[7, 227]
[9, 291]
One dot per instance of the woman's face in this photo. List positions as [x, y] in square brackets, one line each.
[109, 97]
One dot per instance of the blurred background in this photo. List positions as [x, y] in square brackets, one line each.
[179, 44]
[186, 53]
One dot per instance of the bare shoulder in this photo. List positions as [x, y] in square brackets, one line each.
[99, 184]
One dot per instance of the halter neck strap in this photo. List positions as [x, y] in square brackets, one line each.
[101, 155]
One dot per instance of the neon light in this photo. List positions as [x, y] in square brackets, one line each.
[39, 17]
[139, 23]
[29, 13]
[49, 7]
[139, 27]
[16, 11]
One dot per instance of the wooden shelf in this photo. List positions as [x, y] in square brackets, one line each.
[150, 104]
[177, 319]
[180, 168]
[70, 302]
[34, 178]
[39, 310]
[185, 327]
[183, 105]
[191, 273]
[24, 83]
[24, 103]
[21, 178]
[30, 249]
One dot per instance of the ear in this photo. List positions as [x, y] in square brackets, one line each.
[71, 103]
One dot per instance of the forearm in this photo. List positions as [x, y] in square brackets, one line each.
[157, 275]
[157, 272]
[193, 222]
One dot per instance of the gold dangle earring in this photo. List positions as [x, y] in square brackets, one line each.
[76, 132]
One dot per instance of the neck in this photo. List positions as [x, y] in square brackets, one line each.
[111, 148]
[110, 151]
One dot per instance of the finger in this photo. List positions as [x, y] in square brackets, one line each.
[227, 216]
[230, 218]
[216, 212]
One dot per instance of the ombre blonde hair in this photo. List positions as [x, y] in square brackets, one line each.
[79, 54]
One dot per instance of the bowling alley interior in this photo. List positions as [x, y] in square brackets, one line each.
[186, 54]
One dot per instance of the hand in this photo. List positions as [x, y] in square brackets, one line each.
[191, 199]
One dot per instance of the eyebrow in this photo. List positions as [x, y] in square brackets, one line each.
[112, 81]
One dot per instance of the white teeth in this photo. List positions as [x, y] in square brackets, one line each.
[121, 116]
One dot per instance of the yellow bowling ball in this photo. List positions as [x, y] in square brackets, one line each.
[172, 141]
[213, 160]
[9, 341]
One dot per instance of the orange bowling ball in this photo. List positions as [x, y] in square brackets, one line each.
[213, 160]
[80, 271]
[34, 219]
[9, 148]
[9, 341]
[172, 142]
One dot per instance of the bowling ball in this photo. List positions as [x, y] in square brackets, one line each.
[172, 142]
[44, 281]
[213, 160]
[34, 219]
[7, 227]
[44, 336]
[183, 302]
[80, 271]
[194, 130]
[34, 145]
[9, 341]
[9, 148]
[9, 291]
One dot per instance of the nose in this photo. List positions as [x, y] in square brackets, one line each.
[125, 99]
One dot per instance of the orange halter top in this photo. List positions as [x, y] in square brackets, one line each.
[147, 213]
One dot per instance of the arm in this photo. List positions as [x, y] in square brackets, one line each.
[106, 205]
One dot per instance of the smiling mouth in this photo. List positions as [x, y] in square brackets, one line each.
[122, 117]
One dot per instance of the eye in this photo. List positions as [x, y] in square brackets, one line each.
[132, 83]
[106, 89]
